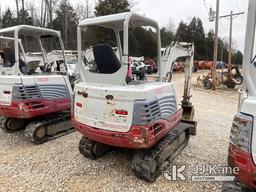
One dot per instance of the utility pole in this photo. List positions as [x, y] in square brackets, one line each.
[230, 41]
[221, 53]
[1, 22]
[231, 16]
[66, 25]
[216, 35]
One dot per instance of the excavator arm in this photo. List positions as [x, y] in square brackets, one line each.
[169, 56]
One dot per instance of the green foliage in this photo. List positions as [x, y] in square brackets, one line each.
[209, 45]
[167, 36]
[107, 7]
[95, 35]
[182, 32]
[193, 32]
[237, 57]
[8, 19]
[199, 39]
[204, 44]
[142, 42]
[24, 18]
[66, 22]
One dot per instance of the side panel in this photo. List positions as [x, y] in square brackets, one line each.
[166, 99]
[96, 106]
[50, 87]
[6, 86]
[113, 107]
[31, 96]
[248, 107]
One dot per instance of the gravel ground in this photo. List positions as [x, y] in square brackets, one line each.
[58, 166]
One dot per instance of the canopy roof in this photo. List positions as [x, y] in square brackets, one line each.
[116, 21]
[29, 30]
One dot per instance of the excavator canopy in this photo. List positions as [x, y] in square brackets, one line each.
[29, 31]
[116, 22]
[38, 34]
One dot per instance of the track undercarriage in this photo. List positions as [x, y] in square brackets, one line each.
[41, 129]
[147, 164]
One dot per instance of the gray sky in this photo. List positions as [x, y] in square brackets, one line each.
[172, 11]
[175, 10]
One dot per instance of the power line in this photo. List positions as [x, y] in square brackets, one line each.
[237, 6]
[223, 26]
[206, 5]
[215, 54]
[231, 17]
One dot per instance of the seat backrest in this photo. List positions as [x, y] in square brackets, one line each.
[9, 56]
[106, 59]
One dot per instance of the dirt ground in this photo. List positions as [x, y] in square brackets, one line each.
[58, 165]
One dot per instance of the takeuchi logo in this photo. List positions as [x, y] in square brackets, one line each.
[159, 90]
[42, 79]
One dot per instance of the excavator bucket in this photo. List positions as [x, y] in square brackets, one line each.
[188, 116]
[188, 108]
[188, 112]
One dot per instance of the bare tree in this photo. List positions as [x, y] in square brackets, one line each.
[66, 25]
[32, 9]
[42, 13]
[83, 9]
[17, 7]
[171, 25]
[45, 15]
[1, 22]
[49, 4]
[134, 5]
[23, 10]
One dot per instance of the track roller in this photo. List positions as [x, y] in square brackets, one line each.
[92, 149]
[11, 125]
[36, 133]
[149, 164]
[1, 120]
[42, 130]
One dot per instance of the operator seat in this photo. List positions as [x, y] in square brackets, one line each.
[10, 57]
[106, 59]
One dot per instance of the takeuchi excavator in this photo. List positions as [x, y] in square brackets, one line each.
[33, 95]
[112, 109]
[242, 145]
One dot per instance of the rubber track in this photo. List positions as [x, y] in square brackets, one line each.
[144, 160]
[2, 118]
[3, 125]
[85, 148]
[44, 121]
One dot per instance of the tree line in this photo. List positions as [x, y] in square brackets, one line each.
[204, 43]
[62, 16]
